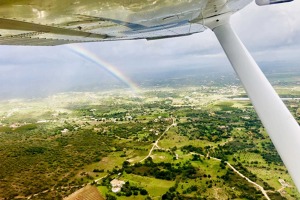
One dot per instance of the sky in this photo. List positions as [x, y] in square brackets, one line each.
[271, 33]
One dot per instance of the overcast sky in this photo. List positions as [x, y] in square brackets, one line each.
[271, 33]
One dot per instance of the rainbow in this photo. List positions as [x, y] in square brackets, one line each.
[90, 56]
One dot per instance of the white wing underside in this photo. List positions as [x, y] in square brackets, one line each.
[53, 22]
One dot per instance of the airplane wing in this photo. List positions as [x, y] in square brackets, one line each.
[53, 22]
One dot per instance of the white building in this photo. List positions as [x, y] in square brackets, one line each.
[116, 185]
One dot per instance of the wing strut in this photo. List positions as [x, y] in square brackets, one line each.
[283, 129]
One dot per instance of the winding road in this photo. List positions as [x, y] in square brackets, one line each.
[240, 174]
[258, 186]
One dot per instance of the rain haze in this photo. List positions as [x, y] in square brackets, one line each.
[271, 33]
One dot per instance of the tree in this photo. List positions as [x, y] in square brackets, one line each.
[143, 192]
[149, 161]
[172, 189]
[128, 193]
[110, 197]
[125, 164]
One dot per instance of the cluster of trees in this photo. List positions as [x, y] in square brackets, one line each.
[270, 154]
[98, 170]
[35, 165]
[162, 170]
[201, 125]
[191, 148]
[246, 190]
[128, 190]
[232, 147]
[173, 194]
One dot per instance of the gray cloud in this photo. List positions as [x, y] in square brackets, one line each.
[269, 26]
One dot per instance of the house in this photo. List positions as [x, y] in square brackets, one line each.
[116, 185]
[65, 131]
